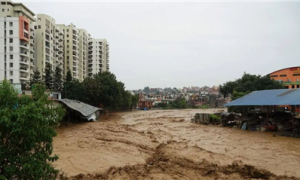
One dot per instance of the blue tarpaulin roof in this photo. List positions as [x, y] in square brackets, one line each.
[268, 98]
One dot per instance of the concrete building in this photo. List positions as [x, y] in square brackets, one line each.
[290, 77]
[49, 44]
[98, 56]
[16, 42]
[84, 37]
[71, 43]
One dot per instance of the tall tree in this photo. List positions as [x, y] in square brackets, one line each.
[69, 76]
[58, 79]
[48, 76]
[27, 127]
[36, 78]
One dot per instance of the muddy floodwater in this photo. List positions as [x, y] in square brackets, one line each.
[164, 144]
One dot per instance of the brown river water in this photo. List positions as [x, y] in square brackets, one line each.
[164, 144]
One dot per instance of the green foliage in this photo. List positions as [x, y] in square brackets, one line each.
[74, 90]
[204, 107]
[36, 78]
[69, 76]
[102, 88]
[249, 83]
[134, 101]
[48, 76]
[27, 127]
[58, 79]
[215, 117]
[179, 104]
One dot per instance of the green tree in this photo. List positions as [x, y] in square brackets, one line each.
[69, 76]
[134, 101]
[249, 83]
[92, 87]
[27, 127]
[48, 76]
[58, 79]
[74, 90]
[36, 78]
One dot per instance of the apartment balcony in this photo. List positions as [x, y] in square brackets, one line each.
[24, 69]
[24, 77]
[31, 50]
[32, 35]
[31, 57]
[24, 45]
[23, 53]
[31, 42]
[47, 30]
[90, 70]
[31, 72]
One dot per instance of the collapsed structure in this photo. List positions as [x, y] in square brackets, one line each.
[79, 110]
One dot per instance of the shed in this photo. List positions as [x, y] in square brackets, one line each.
[84, 111]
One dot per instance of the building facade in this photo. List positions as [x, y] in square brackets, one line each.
[16, 42]
[29, 42]
[84, 37]
[289, 77]
[98, 56]
[49, 44]
[71, 43]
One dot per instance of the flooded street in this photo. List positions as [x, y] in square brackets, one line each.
[166, 145]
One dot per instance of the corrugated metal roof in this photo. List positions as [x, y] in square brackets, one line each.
[84, 109]
[268, 98]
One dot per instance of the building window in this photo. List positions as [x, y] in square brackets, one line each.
[11, 40]
[274, 76]
[10, 24]
[3, 10]
[11, 56]
[296, 74]
[11, 48]
[11, 73]
[67, 46]
[11, 65]
[67, 41]
[67, 35]
[11, 32]
[11, 81]
[39, 26]
[293, 86]
[283, 75]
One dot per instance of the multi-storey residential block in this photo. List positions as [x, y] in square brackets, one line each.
[16, 42]
[49, 43]
[71, 49]
[98, 56]
[83, 53]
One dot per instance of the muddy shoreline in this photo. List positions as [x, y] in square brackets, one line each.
[164, 144]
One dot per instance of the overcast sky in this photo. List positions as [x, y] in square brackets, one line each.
[176, 44]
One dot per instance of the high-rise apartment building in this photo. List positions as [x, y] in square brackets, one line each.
[71, 49]
[98, 56]
[16, 42]
[83, 53]
[49, 44]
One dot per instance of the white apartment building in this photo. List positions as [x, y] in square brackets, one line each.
[71, 43]
[16, 42]
[84, 36]
[49, 44]
[98, 56]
